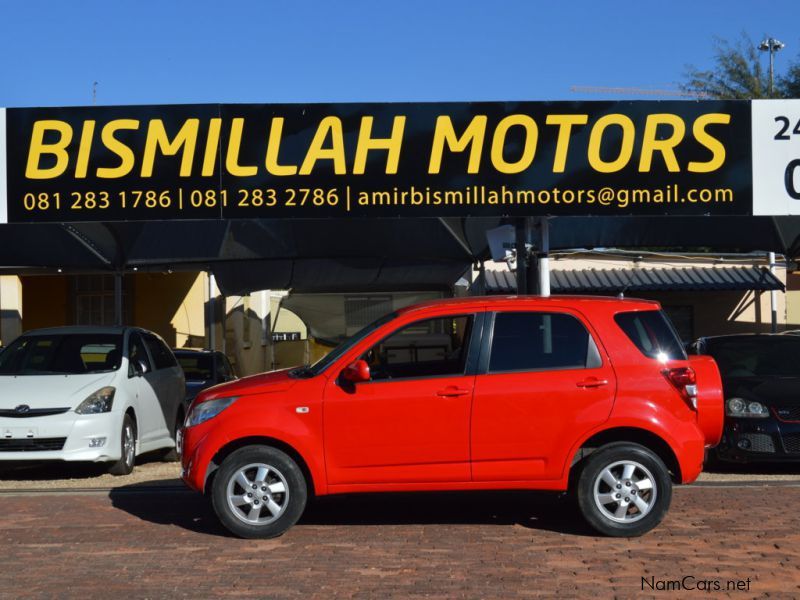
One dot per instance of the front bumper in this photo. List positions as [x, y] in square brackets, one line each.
[40, 438]
[759, 440]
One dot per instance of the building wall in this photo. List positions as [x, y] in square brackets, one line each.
[11, 309]
[45, 301]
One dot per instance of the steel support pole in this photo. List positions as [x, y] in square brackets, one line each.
[212, 334]
[521, 246]
[773, 296]
[118, 298]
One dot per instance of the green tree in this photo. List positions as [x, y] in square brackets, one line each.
[737, 73]
[789, 85]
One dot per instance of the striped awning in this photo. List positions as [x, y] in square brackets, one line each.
[642, 279]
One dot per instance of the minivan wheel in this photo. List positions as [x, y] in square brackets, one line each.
[127, 460]
[259, 492]
[624, 490]
[172, 454]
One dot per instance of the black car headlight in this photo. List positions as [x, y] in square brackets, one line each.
[739, 407]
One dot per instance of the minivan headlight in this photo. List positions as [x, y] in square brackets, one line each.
[204, 411]
[738, 407]
[100, 401]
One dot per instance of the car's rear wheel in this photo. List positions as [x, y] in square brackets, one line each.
[259, 492]
[624, 490]
[127, 460]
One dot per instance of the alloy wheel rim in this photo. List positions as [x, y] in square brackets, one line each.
[129, 445]
[625, 491]
[257, 494]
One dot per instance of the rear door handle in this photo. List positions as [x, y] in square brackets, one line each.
[452, 391]
[592, 383]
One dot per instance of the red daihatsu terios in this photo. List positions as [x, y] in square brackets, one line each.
[591, 395]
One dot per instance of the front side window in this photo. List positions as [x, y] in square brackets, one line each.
[162, 356]
[429, 348]
[536, 341]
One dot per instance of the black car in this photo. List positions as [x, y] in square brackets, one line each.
[761, 383]
[203, 368]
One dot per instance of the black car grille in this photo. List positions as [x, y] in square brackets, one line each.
[787, 413]
[759, 442]
[31, 444]
[31, 412]
[791, 443]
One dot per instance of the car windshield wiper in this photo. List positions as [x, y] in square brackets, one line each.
[304, 372]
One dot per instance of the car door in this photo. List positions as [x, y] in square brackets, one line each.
[167, 382]
[410, 422]
[142, 377]
[543, 381]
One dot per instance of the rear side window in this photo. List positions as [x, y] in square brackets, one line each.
[534, 341]
[162, 356]
[652, 333]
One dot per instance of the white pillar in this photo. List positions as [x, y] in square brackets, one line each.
[10, 308]
[210, 318]
[544, 258]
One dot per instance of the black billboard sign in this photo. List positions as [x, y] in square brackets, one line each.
[376, 160]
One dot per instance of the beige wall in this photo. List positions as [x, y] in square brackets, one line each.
[11, 309]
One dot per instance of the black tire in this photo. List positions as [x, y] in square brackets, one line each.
[172, 454]
[275, 515]
[627, 520]
[124, 466]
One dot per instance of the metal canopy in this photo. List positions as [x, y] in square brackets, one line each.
[645, 279]
[307, 255]
[317, 255]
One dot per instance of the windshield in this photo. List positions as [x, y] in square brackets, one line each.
[65, 354]
[196, 367]
[324, 362]
[769, 356]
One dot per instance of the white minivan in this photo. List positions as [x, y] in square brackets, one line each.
[99, 394]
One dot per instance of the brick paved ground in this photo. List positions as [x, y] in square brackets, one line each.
[487, 545]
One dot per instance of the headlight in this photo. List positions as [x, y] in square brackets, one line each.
[99, 402]
[737, 407]
[201, 413]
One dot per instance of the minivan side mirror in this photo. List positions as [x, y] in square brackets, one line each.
[357, 372]
[140, 367]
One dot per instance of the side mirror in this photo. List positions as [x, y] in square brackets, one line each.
[357, 372]
[140, 367]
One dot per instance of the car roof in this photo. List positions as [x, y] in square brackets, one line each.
[83, 329]
[533, 301]
[742, 336]
[177, 351]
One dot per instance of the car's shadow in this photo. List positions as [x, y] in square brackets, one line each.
[534, 510]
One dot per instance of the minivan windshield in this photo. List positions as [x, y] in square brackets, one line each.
[324, 362]
[756, 356]
[62, 354]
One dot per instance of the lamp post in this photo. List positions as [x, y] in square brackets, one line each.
[772, 46]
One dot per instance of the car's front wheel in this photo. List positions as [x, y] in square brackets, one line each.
[259, 492]
[127, 460]
[624, 490]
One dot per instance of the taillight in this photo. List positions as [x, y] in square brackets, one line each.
[685, 381]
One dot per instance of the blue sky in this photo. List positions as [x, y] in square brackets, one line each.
[148, 52]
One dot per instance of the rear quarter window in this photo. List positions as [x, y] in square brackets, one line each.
[652, 333]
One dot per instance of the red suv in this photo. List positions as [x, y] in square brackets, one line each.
[591, 395]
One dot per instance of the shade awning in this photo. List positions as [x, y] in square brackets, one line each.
[615, 281]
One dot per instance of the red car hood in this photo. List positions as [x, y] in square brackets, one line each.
[263, 383]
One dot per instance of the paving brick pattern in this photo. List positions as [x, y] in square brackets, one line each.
[475, 545]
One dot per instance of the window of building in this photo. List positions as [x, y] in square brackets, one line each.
[533, 341]
[93, 298]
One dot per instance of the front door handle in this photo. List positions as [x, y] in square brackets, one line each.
[452, 391]
[592, 382]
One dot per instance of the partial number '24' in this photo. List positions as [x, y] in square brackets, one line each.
[788, 176]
